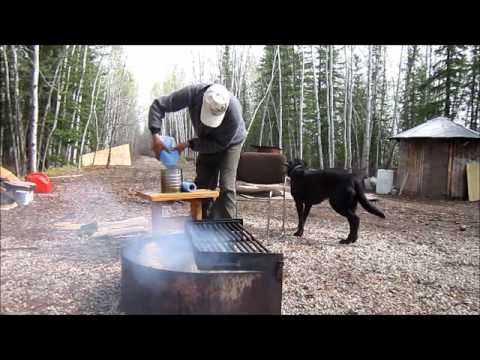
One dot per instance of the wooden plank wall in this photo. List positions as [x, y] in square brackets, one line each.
[436, 168]
[410, 162]
[462, 153]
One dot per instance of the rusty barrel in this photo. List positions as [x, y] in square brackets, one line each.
[160, 276]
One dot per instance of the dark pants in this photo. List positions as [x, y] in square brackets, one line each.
[209, 167]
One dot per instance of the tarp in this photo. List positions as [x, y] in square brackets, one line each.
[8, 174]
[120, 156]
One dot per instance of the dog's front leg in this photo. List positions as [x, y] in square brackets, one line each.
[299, 206]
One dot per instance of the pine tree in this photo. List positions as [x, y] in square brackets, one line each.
[448, 79]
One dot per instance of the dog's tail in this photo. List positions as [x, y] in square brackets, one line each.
[367, 205]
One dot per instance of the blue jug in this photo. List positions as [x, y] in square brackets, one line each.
[169, 158]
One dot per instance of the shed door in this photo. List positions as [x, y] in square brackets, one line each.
[435, 169]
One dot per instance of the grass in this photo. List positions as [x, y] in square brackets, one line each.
[63, 170]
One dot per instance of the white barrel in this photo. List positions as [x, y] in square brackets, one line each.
[384, 181]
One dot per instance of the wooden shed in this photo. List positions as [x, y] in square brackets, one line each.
[433, 158]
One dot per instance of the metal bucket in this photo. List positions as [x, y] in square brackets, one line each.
[171, 180]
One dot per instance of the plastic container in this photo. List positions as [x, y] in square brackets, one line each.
[188, 186]
[384, 181]
[23, 197]
[43, 182]
[169, 158]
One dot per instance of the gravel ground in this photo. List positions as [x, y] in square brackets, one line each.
[416, 261]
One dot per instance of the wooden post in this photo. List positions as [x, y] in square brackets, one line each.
[196, 209]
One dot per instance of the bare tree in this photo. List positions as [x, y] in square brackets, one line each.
[350, 113]
[330, 107]
[345, 107]
[280, 107]
[53, 86]
[265, 95]
[367, 132]
[9, 111]
[79, 102]
[32, 148]
[19, 128]
[301, 105]
[317, 109]
[93, 100]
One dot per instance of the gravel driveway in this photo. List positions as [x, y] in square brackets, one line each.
[422, 259]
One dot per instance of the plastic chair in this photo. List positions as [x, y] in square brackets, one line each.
[262, 177]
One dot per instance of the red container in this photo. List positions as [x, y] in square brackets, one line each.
[44, 184]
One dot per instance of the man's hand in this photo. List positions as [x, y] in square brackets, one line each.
[158, 145]
[181, 147]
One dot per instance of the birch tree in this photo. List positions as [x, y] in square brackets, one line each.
[317, 110]
[79, 103]
[330, 107]
[345, 107]
[19, 128]
[367, 133]
[9, 111]
[301, 105]
[280, 107]
[93, 100]
[350, 112]
[46, 111]
[32, 148]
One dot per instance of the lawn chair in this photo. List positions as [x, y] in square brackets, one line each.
[262, 177]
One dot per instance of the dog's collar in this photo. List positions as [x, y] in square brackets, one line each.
[296, 166]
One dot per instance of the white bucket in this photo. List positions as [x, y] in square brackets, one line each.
[23, 197]
[384, 181]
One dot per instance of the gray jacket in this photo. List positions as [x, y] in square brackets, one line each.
[210, 140]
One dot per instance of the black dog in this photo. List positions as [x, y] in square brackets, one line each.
[342, 189]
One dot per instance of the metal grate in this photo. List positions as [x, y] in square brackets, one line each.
[224, 236]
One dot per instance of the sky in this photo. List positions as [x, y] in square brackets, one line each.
[153, 63]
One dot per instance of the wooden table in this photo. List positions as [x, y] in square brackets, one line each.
[159, 200]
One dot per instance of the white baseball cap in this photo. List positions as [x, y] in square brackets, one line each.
[215, 104]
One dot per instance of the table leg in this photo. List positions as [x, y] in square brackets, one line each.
[196, 209]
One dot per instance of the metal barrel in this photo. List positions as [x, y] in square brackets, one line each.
[171, 180]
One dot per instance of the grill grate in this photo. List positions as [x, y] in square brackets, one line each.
[224, 236]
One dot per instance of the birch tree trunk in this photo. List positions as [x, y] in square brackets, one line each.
[264, 96]
[79, 104]
[367, 133]
[47, 109]
[263, 120]
[301, 105]
[397, 92]
[9, 111]
[317, 110]
[75, 97]
[58, 102]
[330, 108]
[19, 128]
[280, 99]
[32, 158]
[65, 97]
[93, 101]
[329, 120]
[345, 120]
[350, 113]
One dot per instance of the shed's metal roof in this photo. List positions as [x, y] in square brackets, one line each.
[439, 127]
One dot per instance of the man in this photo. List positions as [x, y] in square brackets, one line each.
[217, 119]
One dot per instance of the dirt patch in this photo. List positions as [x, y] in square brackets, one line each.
[419, 260]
